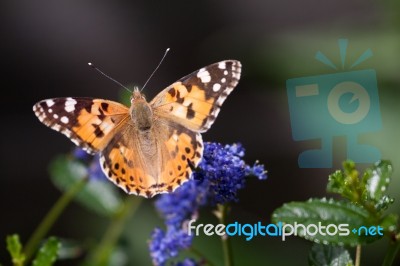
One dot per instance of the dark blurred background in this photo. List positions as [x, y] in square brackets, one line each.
[46, 45]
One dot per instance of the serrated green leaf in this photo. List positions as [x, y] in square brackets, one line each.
[325, 255]
[100, 197]
[346, 182]
[336, 183]
[338, 216]
[383, 203]
[14, 247]
[47, 254]
[377, 179]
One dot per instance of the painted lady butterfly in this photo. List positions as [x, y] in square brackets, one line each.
[149, 148]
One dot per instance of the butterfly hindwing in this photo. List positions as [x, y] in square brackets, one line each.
[132, 161]
[87, 122]
[195, 100]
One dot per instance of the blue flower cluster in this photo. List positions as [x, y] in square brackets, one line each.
[220, 175]
[167, 244]
[95, 172]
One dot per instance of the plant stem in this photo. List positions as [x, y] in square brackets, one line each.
[358, 255]
[391, 253]
[102, 252]
[51, 217]
[226, 243]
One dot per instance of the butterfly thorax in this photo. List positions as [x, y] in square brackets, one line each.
[141, 112]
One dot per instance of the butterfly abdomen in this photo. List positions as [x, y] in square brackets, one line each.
[142, 115]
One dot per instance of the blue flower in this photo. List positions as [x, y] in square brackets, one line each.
[257, 170]
[80, 154]
[92, 162]
[220, 175]
[165, 245]
[224, 173]
[95, 172]
[180, 205]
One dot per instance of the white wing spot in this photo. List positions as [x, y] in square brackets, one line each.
[50, 103]
[64, 119]
[70, 104]
[226, 72]
[70, 108]
[55, 116]
[56, 127]
[223, 80]
[216, 87]
[70, 101]
[77, 142]
[50, 110]
[220, 100]
[222, 65]
[236, 75]
[204, 75]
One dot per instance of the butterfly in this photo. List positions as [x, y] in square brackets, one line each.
[150, 147]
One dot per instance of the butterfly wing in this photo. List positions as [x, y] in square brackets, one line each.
[89, 123]
[153, 162]
[195, 100]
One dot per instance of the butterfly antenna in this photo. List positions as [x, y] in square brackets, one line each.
[107, 76]
[159, 64]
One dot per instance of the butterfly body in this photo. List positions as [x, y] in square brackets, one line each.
[151, 147]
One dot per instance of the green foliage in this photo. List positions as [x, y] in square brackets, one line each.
[14, 247]
[368, 192]
[97, 196]
[364, 204]
[324, 212]
[47, 254]
[324, 255]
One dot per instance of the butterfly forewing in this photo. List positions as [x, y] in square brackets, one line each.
[89, 123]
[195, 100]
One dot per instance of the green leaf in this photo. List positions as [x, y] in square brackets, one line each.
[383, 203]
[322, 255]
[14, 247]
[338, 217]
[100, 197]
[377, 179]
[346, 183]
[47, 254]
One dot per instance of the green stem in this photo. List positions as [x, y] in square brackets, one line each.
[391, 253]
[102, 252]
[226, 243]
[51, 217]
[358, 255]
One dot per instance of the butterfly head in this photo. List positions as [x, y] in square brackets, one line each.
[137, 95]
